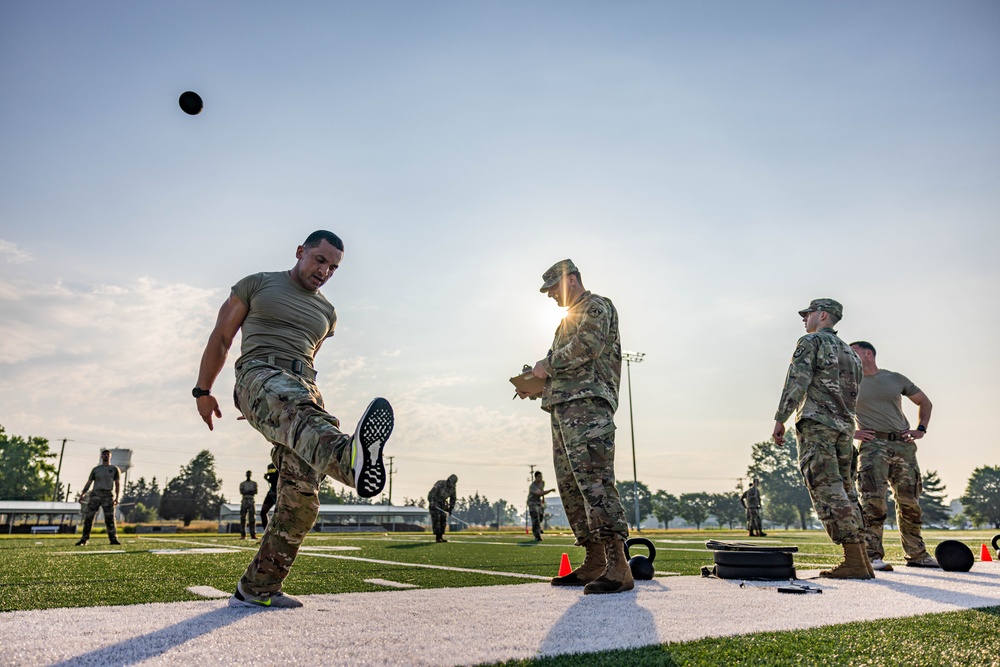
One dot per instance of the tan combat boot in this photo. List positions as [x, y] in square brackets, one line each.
[618, 577]
[594, 565]
[854, 566]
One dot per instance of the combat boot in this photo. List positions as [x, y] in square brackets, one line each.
[618, 577]
[854, 566]
[593, 566]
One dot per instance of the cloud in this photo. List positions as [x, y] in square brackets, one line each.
[11, 254]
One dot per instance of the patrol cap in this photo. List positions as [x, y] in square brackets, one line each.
[556, 273]
[826, 305]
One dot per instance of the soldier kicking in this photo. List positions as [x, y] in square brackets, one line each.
[284, 320]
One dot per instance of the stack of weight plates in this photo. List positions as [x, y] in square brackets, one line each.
[740, 560]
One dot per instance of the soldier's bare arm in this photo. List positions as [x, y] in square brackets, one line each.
[924, 407]
[231, 317]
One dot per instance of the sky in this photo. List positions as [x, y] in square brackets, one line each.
[709, 167]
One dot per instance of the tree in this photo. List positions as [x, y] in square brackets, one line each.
[932, 505]
[140, 494]
[982, 496]
[327, 494]
[348, 497]
[695, 507]
[25, 472]
[665, 507]
[625, 492]
[777, 470]
[475, 510]
[782, 515]
[726, 508]
[414, 502]
[194, 493]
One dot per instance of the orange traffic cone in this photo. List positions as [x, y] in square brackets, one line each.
[984, 554]
[564, 566]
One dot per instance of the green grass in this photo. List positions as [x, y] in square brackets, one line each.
[41, 572]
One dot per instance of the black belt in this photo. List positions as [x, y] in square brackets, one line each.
[294, 365]
[888, 435]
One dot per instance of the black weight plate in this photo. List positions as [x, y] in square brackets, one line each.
[732, 572]
[753, 558]
[716, 545]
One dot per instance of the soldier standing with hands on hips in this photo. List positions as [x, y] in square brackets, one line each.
[822, 387]
[888, 457]
[104, 477]
[536, 504]
[285, 319]
[582, 373]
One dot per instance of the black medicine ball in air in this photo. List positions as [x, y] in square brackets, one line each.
[191, 103]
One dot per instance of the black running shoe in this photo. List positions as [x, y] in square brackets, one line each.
[370, 437]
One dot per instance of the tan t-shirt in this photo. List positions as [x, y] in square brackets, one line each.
[879, 405]
[104, 477]
[284, 319]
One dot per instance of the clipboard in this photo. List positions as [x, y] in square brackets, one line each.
[528, 384]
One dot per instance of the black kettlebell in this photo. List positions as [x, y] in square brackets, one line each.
[996, 544]
[641, 566]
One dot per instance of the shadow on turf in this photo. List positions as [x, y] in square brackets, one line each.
[932, 593]
[600, 622]
[137, 649]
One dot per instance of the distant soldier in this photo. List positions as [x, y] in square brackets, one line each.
[536, 504]
[582, 372]
[441, 501]
[822, 387]
[271, 477]
[888, 458]
[248, 511]
[751, 503]
[106, 481]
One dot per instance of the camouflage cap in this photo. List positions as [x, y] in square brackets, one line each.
[826, 305]
[556, 273]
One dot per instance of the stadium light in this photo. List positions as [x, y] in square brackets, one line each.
[633, 358]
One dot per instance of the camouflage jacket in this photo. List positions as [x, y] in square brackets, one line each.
[751, 498]
[822, 382]
[586, 356]
[443, 495]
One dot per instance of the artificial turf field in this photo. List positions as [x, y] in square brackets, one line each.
[46, 572]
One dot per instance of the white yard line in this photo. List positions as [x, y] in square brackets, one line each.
[484, 624]
[390, 584]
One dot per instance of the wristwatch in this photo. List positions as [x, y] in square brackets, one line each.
[921, 428]
[198, 392]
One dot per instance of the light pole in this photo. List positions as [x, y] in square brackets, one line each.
[633, 358]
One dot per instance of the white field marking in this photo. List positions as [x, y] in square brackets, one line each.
[87, 553]
[426, 566]
[391, 584]
[203, 550]
[208, 592]
[330, 548]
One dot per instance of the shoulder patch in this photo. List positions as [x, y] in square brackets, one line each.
[799, 351]
[595, 311]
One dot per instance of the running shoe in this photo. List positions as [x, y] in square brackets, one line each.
[370, 437]
[880, 565]
[927, 561]
[272, 600]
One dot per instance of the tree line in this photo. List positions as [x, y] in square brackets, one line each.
[27, 472]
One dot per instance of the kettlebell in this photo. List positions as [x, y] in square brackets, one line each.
[641, 566]
[996, 544]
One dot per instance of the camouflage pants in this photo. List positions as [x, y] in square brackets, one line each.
[439, 518]
[753, 520]
[885, 463]
[294, 516]
[537, 514]
[100, 500]
[265, 507]
[827, 460]
[287, 409]
[583, 452]
[248, 516]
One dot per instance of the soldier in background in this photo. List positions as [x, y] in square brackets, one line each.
[106, 480]
[751, 503]
[271, 477]
[441, 501]
[582, 373]
[284, 319]
[888, 457]
[536, 504]
[822, 387]
[248, 509]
